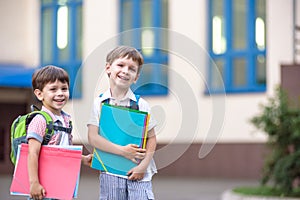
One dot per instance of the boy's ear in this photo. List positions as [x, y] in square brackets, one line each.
[137, 77]
[107, 69]
[38, 94]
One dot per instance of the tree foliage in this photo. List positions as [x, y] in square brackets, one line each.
[282, 124]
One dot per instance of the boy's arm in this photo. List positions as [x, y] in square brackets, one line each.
[36, 189]
[130, 151]
[137, 173]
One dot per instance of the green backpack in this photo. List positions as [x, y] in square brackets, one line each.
[19, 127]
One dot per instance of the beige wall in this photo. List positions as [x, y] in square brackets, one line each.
[19, 32]
[279, 39]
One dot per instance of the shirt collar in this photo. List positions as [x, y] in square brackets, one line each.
[107, 95]
[65, 116]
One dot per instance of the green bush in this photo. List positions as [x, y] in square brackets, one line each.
[282, 124]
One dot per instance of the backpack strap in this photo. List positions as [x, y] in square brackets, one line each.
[60, 128]
[33, 108]
[50, 127]
[133, 104]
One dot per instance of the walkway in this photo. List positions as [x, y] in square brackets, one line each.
[165, 188]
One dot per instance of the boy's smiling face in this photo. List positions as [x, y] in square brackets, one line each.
[122, 72]
[54, 96]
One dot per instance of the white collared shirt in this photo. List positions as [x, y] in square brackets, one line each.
[143, 106]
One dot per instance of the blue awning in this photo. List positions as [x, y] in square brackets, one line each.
[15, 76]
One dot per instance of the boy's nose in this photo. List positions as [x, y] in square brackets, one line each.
[59, 92]
[125, 69]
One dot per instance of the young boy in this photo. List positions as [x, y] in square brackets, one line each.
[123, 66]
[51, 87]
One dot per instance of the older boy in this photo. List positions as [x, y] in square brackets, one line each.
[123, 66]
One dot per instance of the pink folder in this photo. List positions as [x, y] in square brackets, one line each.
[59, 169]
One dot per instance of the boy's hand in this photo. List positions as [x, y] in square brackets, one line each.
[135, 174]
[133, 152]
[86, 159]
[37, 191]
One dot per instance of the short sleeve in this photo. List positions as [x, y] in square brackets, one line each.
[144, 106]
[37, 128]
[95, 113]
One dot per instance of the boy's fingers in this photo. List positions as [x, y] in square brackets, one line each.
[134, 145]
[140, 150]
[143, 150]
[141, 155]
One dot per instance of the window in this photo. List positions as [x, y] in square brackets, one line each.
[237, 45]
[61, 36]
[146, 18]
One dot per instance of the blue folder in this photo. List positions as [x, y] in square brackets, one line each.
[121, 126]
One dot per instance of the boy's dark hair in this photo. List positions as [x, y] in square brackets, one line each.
[48, 74]
[125, 51]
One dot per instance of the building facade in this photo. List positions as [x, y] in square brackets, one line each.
[208, 65]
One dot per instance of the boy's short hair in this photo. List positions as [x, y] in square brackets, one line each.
[125, 51]
[48, 74]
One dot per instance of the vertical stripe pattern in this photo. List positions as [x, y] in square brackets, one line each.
[117, 188]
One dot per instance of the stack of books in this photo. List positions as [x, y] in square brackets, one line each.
[121, 126]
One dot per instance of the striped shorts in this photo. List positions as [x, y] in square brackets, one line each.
[117, 188]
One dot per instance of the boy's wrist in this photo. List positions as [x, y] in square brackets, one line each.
[32, 182]
[121, 150]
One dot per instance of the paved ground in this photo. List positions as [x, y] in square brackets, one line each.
[165, 188]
